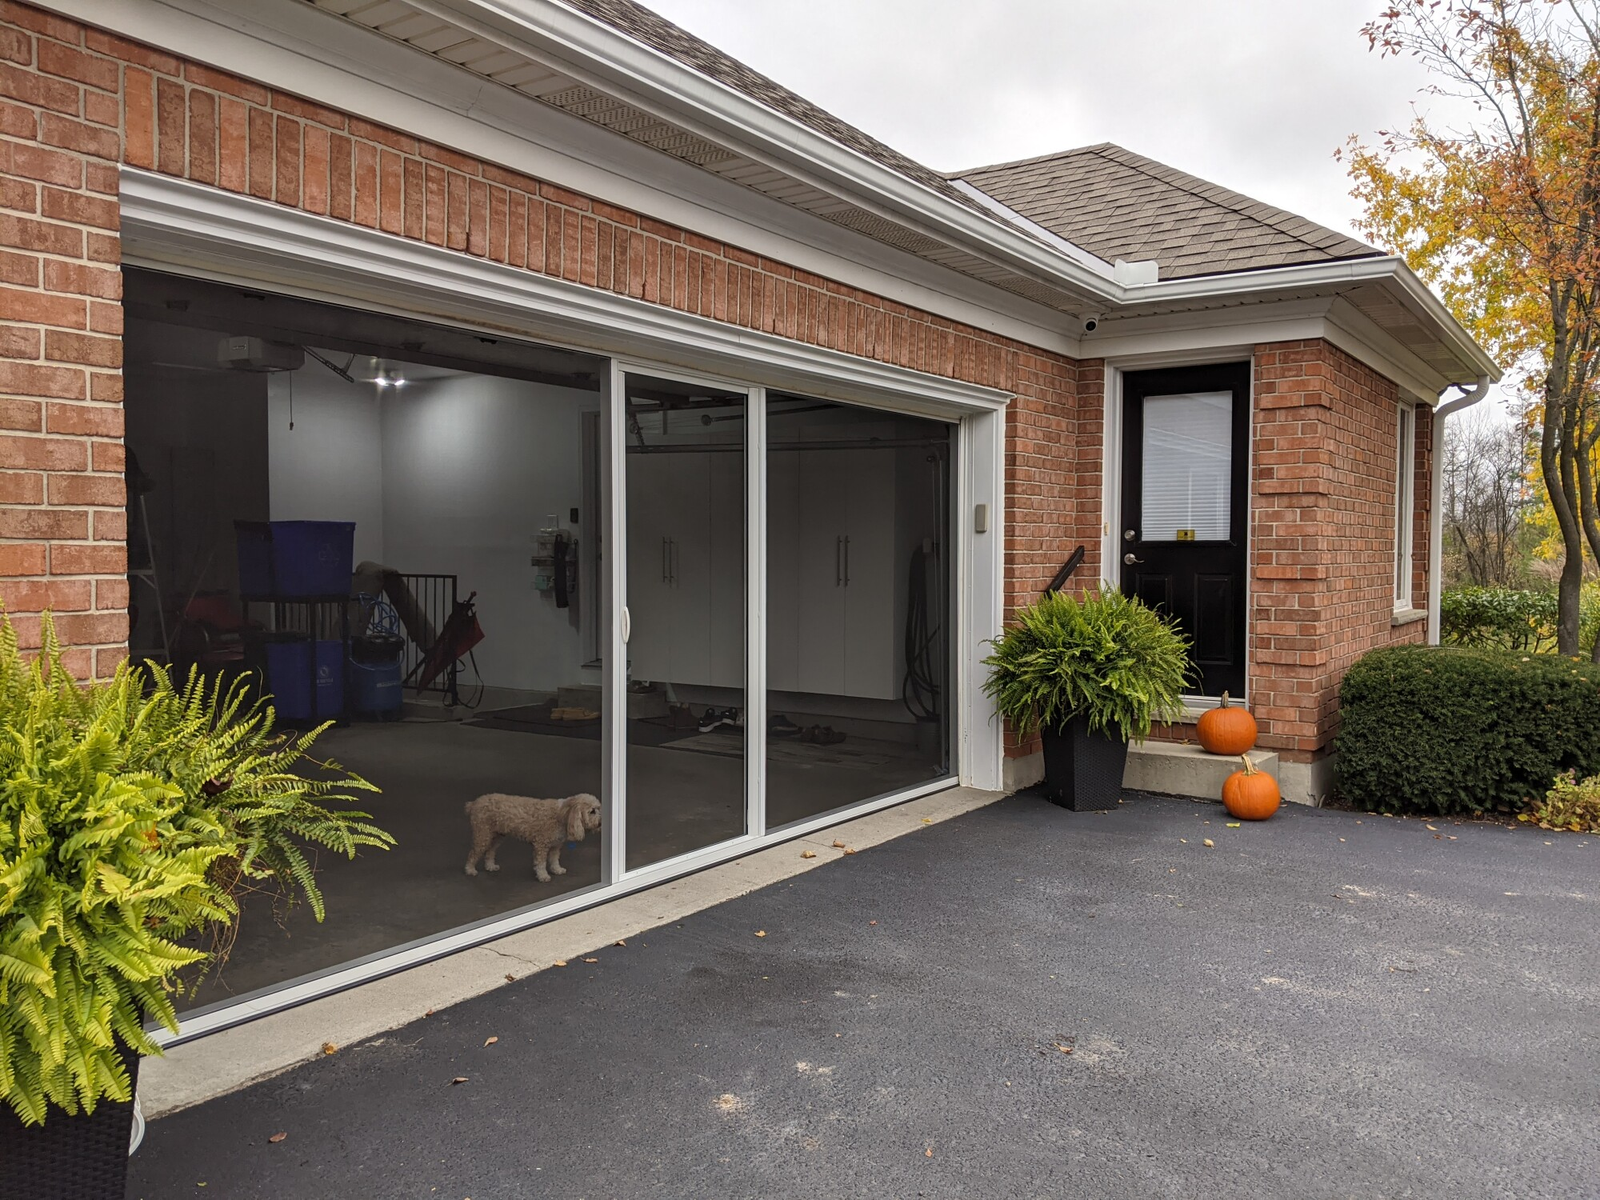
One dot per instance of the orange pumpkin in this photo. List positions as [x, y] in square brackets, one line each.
[1226, 729]
[1251, 795]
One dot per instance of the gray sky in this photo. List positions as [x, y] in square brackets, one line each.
[1252, 94]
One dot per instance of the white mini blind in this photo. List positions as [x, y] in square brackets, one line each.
[1188, 467]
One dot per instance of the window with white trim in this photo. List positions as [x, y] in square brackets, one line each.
[1404, 503]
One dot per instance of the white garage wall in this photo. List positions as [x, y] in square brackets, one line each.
[329, 466]
[474, 466]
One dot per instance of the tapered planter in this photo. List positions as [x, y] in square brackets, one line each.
[1083, 770]
[68, 1158]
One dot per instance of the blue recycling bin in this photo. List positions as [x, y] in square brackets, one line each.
[289, 559]
[306, 678]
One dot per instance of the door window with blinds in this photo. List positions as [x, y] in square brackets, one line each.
[1188, 467]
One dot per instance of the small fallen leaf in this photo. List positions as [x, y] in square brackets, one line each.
[928, 1153]
[871, 922]
[429, 1013]
[761, 933]
[1185, 841]
[1210, 843]
[808, 854]
[510, 978]
[458, 1079]
[1432, 827]
[490, 1041]
[560, 962]
[329, 1048]
[619, 942]
[1233, 824]
[837, 844]
[927, 820]
[591, 960]
[277, 1137]
[850, 850]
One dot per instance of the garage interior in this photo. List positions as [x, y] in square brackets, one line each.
[399, 528]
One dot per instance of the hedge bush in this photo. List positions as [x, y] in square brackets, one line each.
[1497, 616]
[1454, 730]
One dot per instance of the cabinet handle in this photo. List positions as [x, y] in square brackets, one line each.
[847, 560]
[838, 561]
[664, 557]
[675, 561]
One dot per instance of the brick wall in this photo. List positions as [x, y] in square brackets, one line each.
[75, 102]
[1323, 523]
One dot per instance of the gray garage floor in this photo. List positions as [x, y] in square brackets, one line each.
[1326, 1005]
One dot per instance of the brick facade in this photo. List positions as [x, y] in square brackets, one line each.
[1323, 531]
[76, 102]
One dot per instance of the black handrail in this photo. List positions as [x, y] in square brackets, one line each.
[1067, 568]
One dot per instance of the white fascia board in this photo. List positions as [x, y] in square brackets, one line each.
[189, 229]
[1386, 270]
[302, 50]
[1130, 342]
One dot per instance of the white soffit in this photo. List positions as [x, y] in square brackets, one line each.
[430, 26]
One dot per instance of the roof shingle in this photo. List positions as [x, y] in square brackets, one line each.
[1118, 204]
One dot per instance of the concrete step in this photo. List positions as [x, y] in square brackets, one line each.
[1180, 769]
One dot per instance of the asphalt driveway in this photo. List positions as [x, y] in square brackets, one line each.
[1325, 1005]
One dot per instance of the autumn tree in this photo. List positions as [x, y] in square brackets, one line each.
[1485, 501]
[1501, 212]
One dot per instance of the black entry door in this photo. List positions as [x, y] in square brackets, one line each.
[1185, 497]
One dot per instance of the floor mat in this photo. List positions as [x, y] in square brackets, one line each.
[857, 753]
[536, 718]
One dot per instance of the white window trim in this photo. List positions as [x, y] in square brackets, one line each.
[1405, 507]
[188, 229]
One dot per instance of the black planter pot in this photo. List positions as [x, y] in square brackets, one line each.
[1083, 770]
[68, 1158]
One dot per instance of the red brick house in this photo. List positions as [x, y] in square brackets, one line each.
[742, 430]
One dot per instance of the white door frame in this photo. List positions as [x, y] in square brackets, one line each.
[188, 229]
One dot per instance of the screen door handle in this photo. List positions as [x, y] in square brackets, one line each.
[627, 625]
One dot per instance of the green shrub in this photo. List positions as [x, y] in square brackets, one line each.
[1497, 616]
[1569, 805]
[1589, 619]
[1453, 730]
[1106, 656]
[132, 813]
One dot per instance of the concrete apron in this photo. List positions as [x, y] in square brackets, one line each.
[234, 1058]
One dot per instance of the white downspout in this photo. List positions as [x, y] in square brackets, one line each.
[1468, 397]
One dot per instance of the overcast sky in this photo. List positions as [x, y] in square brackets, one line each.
[1252, 94]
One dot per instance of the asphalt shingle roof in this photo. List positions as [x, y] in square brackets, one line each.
[1118, 204]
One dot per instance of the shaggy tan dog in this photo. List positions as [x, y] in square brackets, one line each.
[547, 824]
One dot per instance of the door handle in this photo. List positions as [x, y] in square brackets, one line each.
[627, 625]
[665, 557]
[847, 560]
[838, 561]
[1129, 559]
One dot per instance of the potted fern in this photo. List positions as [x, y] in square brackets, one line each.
[1088, 676]
[132, 813]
